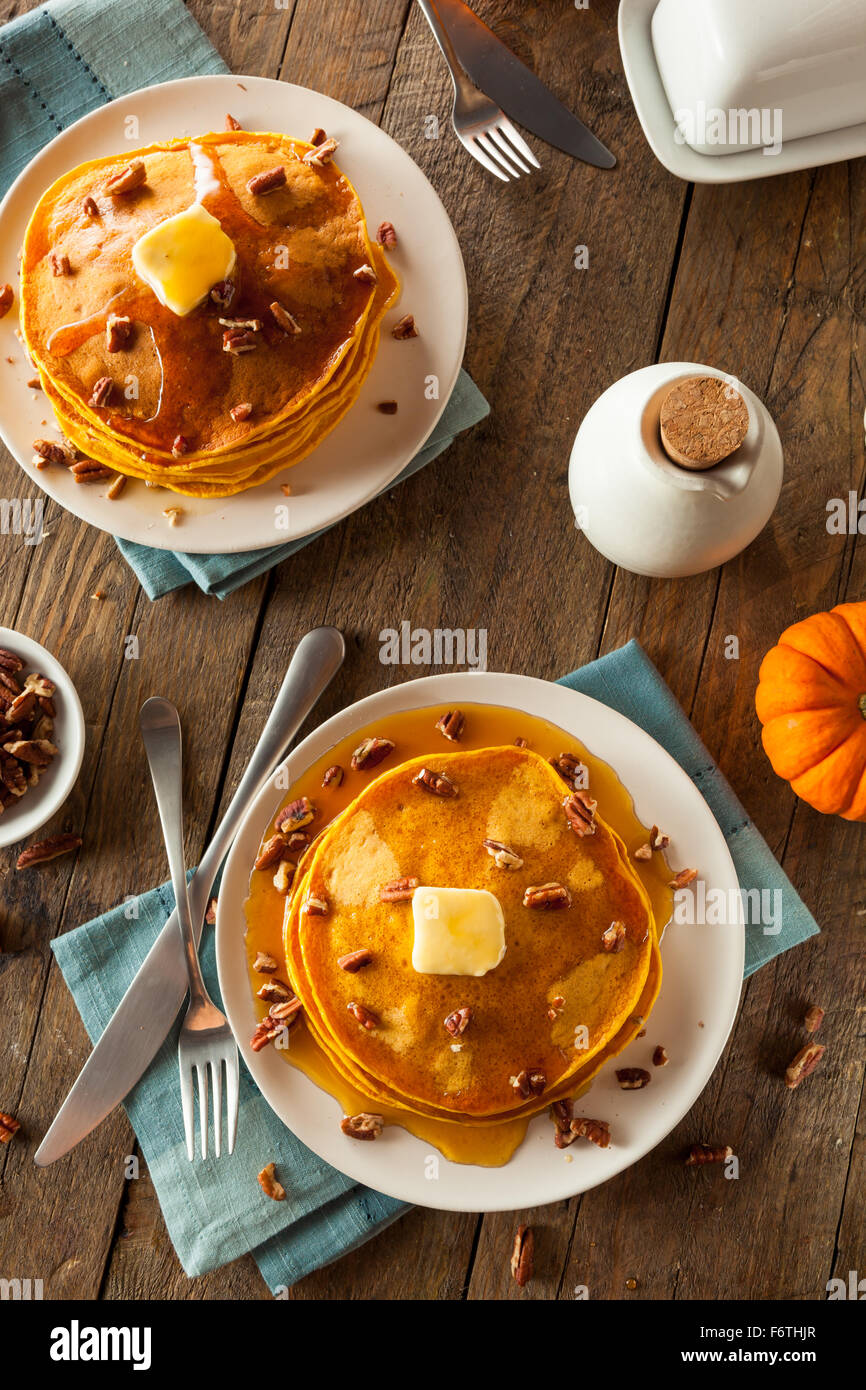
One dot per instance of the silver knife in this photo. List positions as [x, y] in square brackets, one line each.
[143, 1018]
[506, 80]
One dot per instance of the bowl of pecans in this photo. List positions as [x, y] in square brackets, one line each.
[41, 743]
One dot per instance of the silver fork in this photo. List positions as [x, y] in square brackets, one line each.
[206, 1040]
[480, 126]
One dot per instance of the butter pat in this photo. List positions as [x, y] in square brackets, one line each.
[182, 258]
[458, 931]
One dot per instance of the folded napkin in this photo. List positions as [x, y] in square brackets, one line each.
[71, 56]
[216, 1211]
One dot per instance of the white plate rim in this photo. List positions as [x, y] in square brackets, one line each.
[15, 826]
[383, 1165]
[83, 501]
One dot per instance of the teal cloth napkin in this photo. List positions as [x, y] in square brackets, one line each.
[71, 56]
[216, 1211]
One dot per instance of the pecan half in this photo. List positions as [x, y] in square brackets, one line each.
[118, 331]
[272, 851]
[708, 1153]
[102, 391]
[365, 1017]
[363, 1125]
[803, 1064]
[502, 855]
[451, 725]
[241, 412]
[333, 776]
[116, 488]
[270, 1185]
[354, 961]
[399, 890]
[60, 263]
[386, 236]
[322, 154]
[366, 274]
[20, 708]
[9, 661]
[529, 1083]
[633, 1078]
[38, 752]
[405, 328]
[457, 1022]
[315, 907]
[7, 294]
[523, 1256]
[264, 964]
[660, 1056]
[547, 896]
[580, 810]
[44, 850]
[298, 813]
[267, 182]
[9, 1127]
[283, 319]
[596, 1131]
[572, 771]
[814, 1018]
[128, 179]
[12, 775]
[435, 782]
[614, 938]
[238, 340]
[232, 123]
[683, 878]
[89, 471]
[371, 752]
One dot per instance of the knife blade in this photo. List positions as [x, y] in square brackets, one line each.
[144, 1017]
[512, 85]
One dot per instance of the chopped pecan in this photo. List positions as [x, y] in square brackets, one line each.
[62, 453]
[283, 319]
[297, 814]
[399, 890]
[596, 1131]
[7, 294]
[210, 915]
[274, 992]
[643, 852]
[118, 331]
[557, 1004]
[21, 707]
[318, 136]
[708, 1153]
[521, 743]
[322, 154]
[366, 274]
[223, 293]
[102, 391]
[405, 328]
[451, 725]
[529, 1083]
[814, 1018]
[435, 782]
[502, 855]
[180, 446]
[561, 1112]
[39, 752]
[284, 877]
[363, 1125]
[173, 515]
[354, 961]
[371, 752]
[89, 471]
[387, 407]
[60, 264]
[660, 1056]
[279, 1020]
[254, 325]
[270, 1185]
[458, 1021]
[547, 896]
[572, 771]
[299, 840]
[523, 1256]
[268, 181]
[264, 964]
[128, 179]
[12, 774]
[241, 412]
[386, 236]
[90, 207]
[9, 688]
[44, 850]
[238, 340]
[633, 1078]
[580, 810]
[333, 776]
[232, 123]
[9, 661]
[614, 938]
[657, 840]
[9, 1127]
[362, 1015]
[272, 851]
[684, 877]
[803, 1064]
[315, 907]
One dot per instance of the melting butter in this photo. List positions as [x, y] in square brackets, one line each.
[458, 931]
[182, 258]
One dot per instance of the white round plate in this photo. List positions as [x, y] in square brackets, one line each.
[703, 972]
[367, 449]
[38, 804]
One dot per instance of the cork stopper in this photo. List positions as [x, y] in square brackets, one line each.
[703, 420]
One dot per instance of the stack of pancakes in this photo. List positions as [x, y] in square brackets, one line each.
[173, 387]
[558, 1005]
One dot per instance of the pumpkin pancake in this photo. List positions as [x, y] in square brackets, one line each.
[289, 334]
[557, 1004]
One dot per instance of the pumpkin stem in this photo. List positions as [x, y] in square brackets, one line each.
[862, 703]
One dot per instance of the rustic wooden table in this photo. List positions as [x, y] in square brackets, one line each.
[767, 280]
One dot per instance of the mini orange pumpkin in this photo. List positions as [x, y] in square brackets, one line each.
[811, 700]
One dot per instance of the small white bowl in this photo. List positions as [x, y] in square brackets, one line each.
[39, 803]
